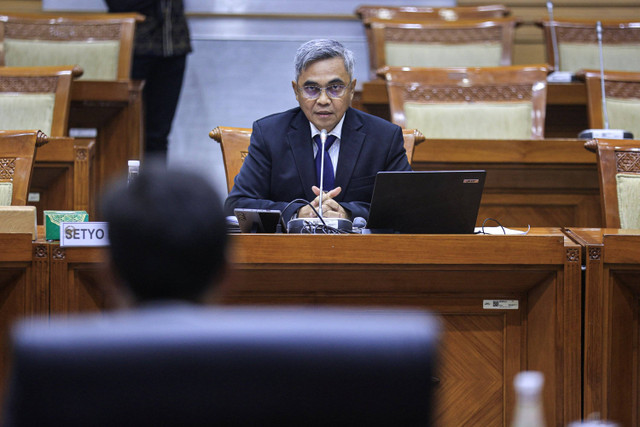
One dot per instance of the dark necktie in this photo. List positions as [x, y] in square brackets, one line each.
[329, 179]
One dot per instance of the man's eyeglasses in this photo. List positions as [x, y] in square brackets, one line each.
[332, 91]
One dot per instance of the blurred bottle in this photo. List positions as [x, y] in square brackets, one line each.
[134, 169]
[528, 412]
[593, 420]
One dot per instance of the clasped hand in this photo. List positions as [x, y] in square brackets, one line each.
[330, 208]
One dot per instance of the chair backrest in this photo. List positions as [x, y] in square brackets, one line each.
[101, 44]
[236, 366]
[622, 100]
[578, 44]
[36, 98]
[17, 151]
[463, 43]
[365, 12]
[234, 143]
[469, 103]
[619, 171]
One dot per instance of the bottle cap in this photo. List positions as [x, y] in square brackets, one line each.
[528, 383]
[133, 163]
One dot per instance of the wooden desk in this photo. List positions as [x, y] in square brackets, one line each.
[482, 349]
[63, 176]
[566, 106]
[24, 288]
[542, 183]
[114, 108]
[611, 323]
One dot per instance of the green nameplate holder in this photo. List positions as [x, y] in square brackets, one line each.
[53, 219]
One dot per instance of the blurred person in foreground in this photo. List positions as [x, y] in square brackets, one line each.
[167, 236]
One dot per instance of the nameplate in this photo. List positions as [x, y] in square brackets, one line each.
[84, 234]
[500, 304]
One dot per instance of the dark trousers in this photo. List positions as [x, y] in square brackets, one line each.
[163, 81]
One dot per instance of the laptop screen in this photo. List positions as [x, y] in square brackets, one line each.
[426, 202]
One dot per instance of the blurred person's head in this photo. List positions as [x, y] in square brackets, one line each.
[167, 235]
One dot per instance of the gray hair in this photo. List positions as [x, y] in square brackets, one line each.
[316, 50]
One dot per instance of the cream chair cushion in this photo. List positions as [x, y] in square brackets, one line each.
[628, 187]
[579, 56]
[624, 114]
[26, 111]
[6, 193]
[443, 55]
[470, 120]
[98, 59]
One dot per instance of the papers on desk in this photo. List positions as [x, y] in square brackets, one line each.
[501, 231]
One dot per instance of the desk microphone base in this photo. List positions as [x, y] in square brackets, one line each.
[605, 133]
[315, 226]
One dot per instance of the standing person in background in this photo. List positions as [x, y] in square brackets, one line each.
[161, 46]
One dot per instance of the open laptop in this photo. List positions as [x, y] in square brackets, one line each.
[426, 202]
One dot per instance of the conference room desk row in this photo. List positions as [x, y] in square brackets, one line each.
[69, 171]
[507, 303]
[566, 106]
[542, 183]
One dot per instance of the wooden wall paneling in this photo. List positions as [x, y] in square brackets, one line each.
[78, 280]
[548, 183]
[434, 272]
[24, 289]
[612, 325]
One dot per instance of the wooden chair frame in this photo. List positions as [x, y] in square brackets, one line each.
[75, 27]
[17, 151]
[457, 84]
[619, 84]
[74, 155]
[234, 143]
[444, 32]
[584, 31]
[614, 156]
[56, 80]
[365, 12]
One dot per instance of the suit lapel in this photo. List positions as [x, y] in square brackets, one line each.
[299, 140]
[351, 142]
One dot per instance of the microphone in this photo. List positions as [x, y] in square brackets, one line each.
[557, 76]
[311, 225]
[606, 132]
[323, 140]
[359, 222]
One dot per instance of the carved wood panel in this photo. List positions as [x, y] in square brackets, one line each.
[624, 90]
[62, 32]
[627, 162]
[443, 35]
[7, 168]
[29, 84]
[477, 93]
[588, 35]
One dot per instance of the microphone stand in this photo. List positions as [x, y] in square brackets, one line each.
[606, 132]
[323, 140]
[557, 76]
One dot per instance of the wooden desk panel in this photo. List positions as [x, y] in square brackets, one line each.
[542, 183]
[64, 177]
[114, 108]
[482, 349]
[612, 323]
[24, 280]
[451, 275]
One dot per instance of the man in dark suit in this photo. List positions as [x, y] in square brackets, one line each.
[280, 171]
